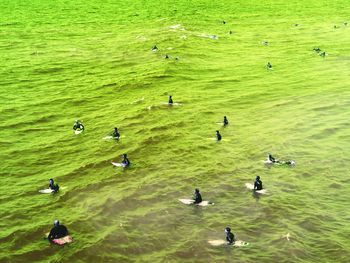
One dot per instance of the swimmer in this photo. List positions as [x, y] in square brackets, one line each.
[58, 231]
[78, 126]
[269, 66]
[218, 136]
[170, 102]
[317, 49]
[53, 186]
[116, 134]
[225, 121]
[230, 238]
[154, 48]
[125, 161]
[197, 197]
[258, 184]
[271, 158]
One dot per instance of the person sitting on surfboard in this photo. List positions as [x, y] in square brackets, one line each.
[53, 186]
[230, 238]
[170, 100]
[218, 136]
[58, 231]
[258, 184]
[78, 125]
[271, 158]
[197, 197]
[225, 121]
[125, 161]
[116, 134]
[269, 66]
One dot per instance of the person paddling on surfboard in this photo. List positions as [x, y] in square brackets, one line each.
[53, 186]
[116, 134]
[170, 102]
[125, 162]
[218, 136]
[225, 121]
[230, 238]
[271, 158]
[78, 126]
[58, 231]
[258, 184]
[197, 197]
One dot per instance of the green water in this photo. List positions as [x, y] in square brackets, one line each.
[63, 60]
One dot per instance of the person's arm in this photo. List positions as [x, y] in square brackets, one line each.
[51, 235]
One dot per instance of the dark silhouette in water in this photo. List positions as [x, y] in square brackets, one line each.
[258, 184]
[223, 22]
[225, 121]
[218, 136]
[53, 186]
[231, 32]
[265, 43]
[317, 49]
[154, 48]
[197, 197]
[170, 100]
[323, 54]
[116, 134]
[269, 66]
[166, 56]
[78, 126]
[230, 237]
[58, 231]
[125, 161]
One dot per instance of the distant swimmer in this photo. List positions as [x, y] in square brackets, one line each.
[197, 197]
[125, 162]
[225, 121]
[317, 49]
[231, 32]
[323, 54]
[53, 186]
[218, 136]
[223, 22]
[265, 43]
[58, 231]
[116, 134]
[154, 48]
[269, 66]
[78, 126]
[258, 184]
[166, 56]
[230, 237]
[270, 158]
[170, 102]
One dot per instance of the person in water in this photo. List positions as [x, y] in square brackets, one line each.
[154, 48]
[116, 134]
[230, 238]
[53, 186]
[58, 231]
[170, 100]
[225, 121]
[197, 197]
[218, 136]
[78, 126]
[269, 66]
[125, 161]
[271, 158]
[258, 184]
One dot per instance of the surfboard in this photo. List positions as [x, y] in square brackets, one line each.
[78, 131]
[172, 104]
[109, 137]
[191, 202]
[118, 164]
[251, 187]
[221, 242]
[46, 191]
[63, 240]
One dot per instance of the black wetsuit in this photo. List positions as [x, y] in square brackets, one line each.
[271, 159]
[230, 237]
[126, 161]
[170, 101]
[197, 198]
[258, 185]
[218, 136]
[79, 126]
[116, 135]
[225, 121]
[58, 232]
[54, 187]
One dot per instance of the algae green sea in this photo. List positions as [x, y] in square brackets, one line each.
[92, 60]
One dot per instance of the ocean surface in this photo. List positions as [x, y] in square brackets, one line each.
[92, 60]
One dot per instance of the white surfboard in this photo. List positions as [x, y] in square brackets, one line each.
[78, 131]
[221, 242]
[191, 202]
[251, 187]
[118, 164]
[46, 191]
[172, 104]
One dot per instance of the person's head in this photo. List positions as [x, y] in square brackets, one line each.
[170, 96]
[51, 181]
[227, 230]
[125, 155]
[258, 178]
[115, 128]
[56, 222]
[217, 132]
[225, 117]
[196, 191]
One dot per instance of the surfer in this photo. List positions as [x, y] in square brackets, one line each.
[197, 197]
[269, 66]
[116, 134]
[154, 48]
[317, 49]
[258, 184]
[125, 161]
[78, 126]
[225, 121]
[271, 159]
[58, 231]
[170, 102]
[323, 54]
[166, 56]
[218, 136]
[230, 238]
[53, 186]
